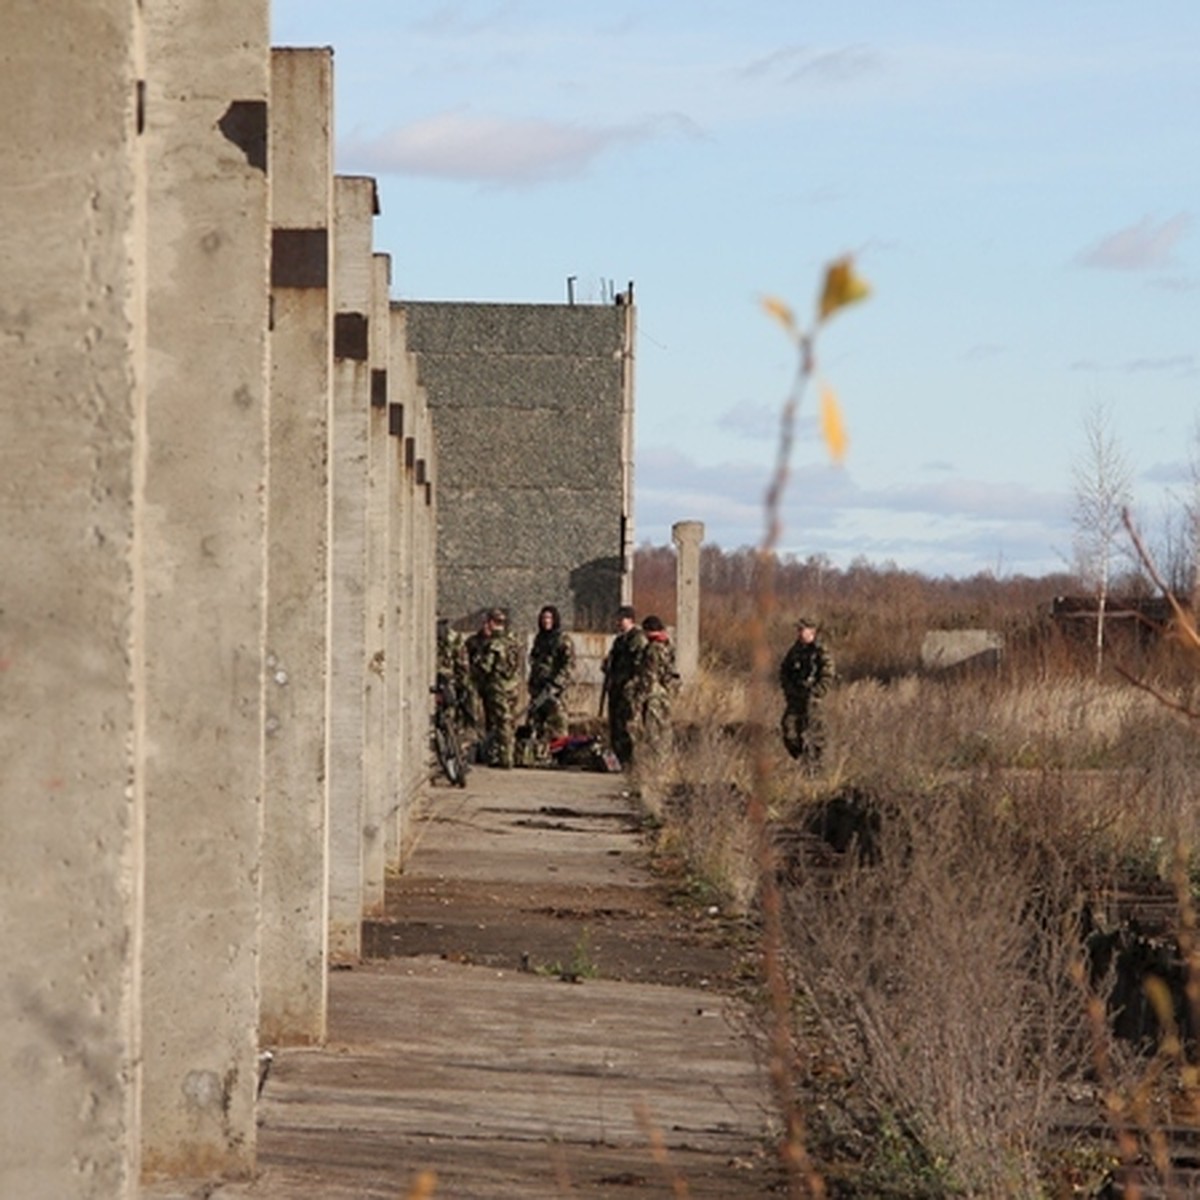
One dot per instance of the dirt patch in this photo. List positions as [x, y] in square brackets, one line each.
[654, 933]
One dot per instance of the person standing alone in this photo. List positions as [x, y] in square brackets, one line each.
[622, 672]
[804, 675]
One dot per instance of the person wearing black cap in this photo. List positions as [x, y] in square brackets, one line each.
[804, 675]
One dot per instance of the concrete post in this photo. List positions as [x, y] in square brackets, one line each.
[424, 595]
[425, 651]
[354, 208]
[295, 868]
[380, 743]
[401, 680]
[417, 684]
[687, 536]
[427, 644]
[204, 552]
[71, 401]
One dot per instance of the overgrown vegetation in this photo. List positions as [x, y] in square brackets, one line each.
[967, 883]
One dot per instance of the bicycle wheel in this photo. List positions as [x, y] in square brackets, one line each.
[449, 754]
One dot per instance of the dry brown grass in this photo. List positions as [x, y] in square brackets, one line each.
[937, 971]
[940, 974]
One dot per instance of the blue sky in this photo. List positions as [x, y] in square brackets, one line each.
[1018, 181]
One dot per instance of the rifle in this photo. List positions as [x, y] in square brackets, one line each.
[544, 697]
[603, 695]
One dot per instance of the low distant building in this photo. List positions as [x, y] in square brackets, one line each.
[1142, 617]
[961, 649]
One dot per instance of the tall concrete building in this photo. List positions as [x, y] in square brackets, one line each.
[532, 408]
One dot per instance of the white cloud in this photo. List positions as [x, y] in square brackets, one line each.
[1178, 366]
[799, 64]
[952, 526]
[1146, 246]
[758, 422]
[460, 146]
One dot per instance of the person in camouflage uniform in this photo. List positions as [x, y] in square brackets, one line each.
[658, 683]
[495, 661]
[804, 675]
[622, 670]
[551, 667]
[454, 669]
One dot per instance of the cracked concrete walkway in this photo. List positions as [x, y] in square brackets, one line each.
[463, 1063]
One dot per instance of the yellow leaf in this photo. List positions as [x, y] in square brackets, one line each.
[774, 307]
[423, 1186]
[842, 287]
[833, 428]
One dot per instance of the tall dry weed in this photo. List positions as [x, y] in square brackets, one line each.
[939, 971]
[937, 966]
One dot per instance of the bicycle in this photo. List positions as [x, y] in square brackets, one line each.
[447, 745]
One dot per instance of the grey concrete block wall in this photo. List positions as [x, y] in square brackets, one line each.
[532, 416]
[71, 363]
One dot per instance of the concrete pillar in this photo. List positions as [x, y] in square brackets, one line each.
[426, 567]
[418, 681]
[354, 210]
[399, 681]
[687, 536]
[71, 402]
[416, 685]
[401, 678]
[414, 566]
[424, 594]
[295, 861]
[203, 542]
[380, 743]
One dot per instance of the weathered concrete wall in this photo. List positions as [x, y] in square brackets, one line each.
[207, 82]
[531, 407]
[295, 872]
[71, 366]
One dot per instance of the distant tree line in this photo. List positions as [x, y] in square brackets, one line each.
[874, 616]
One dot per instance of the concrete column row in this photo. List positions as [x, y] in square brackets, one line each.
[216, 624]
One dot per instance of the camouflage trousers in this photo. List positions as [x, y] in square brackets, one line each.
[549, 719]
[656, 718]
[801, 731]
[620, 737]
[499, 729]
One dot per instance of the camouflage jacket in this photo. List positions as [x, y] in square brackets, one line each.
[551, 662]
[658, 676]
[452, 660]
[623, 665]
[495, 663]
[805, 673]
